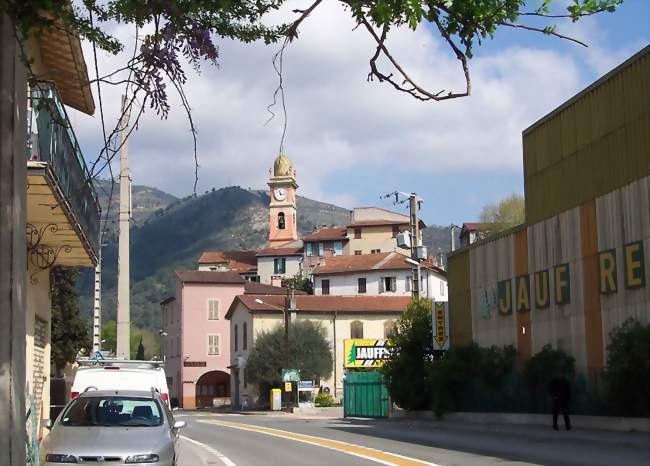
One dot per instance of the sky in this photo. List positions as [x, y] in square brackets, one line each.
[351, 140]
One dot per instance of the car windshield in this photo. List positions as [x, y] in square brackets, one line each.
[112, 411]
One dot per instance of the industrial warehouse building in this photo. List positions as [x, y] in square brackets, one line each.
[579, 266]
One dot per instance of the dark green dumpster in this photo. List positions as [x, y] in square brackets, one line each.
[365, 395]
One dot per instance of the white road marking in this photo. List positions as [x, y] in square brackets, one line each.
[224, 459]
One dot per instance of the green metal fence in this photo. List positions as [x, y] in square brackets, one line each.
[365, 395]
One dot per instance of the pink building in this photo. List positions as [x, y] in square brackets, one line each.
[197, 344]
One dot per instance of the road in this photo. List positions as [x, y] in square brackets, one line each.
[252, 440]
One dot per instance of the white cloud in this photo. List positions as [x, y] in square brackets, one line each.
[336, 120]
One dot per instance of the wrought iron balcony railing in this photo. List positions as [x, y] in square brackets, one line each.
[52, 140]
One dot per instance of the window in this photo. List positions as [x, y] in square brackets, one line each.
[375, 251]
[356, 329]
[407, 284]
[281, 222]
[395, 231]
[357, 233]
[213, 309]
[338, 248]
[309, 249]
[325, 287]
[236, 338]
[389, 328]
[245, 336]
[357, 253]
[279, 265]
[213, 345]
[388, 284]
[361, 282]
[321, 249]
[442, 288]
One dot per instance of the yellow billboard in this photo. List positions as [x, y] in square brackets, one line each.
[364, 352]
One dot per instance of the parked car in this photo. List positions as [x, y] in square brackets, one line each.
[118, 374]
[113, 426]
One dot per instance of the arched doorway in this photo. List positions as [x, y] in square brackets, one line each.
[213, 388]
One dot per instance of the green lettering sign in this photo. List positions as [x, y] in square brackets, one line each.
[562, 284]
[504, 292]
[607, 282]
[634, 265]
[542, 294]
[522, 293]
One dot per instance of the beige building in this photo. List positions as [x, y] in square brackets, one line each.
[62, 207]
[373, 230]
[342, 317]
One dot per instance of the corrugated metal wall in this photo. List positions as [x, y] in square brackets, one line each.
[568, 154]
[623, 218]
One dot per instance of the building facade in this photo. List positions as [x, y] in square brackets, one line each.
[342, 317]
[578, 268]
[382, 274]
[196, 338]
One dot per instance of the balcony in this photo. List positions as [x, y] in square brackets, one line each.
[63, 213]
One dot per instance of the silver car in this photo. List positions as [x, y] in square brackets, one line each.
[113, 427]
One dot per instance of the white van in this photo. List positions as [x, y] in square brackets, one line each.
[119, 374]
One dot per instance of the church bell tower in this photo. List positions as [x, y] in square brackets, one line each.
[282, 183]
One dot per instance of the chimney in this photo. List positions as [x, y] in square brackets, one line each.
[276, 280]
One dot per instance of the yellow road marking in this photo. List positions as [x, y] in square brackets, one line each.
[371, 454]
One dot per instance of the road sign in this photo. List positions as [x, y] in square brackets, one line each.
[440, 326]
[287, 387]
[361, 352]
[290, 375]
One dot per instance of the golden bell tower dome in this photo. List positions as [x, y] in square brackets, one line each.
[282, 166]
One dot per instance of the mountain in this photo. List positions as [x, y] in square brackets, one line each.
[168, 233]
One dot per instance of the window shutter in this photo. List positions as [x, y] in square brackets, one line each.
[381, 284]
[245, 336]
[283, 262]
[308, 249]
[338, 248]
[407, 284]
[321, 249]
[393, 284]
[236, 338]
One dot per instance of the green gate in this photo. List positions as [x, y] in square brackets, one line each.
[365, 395]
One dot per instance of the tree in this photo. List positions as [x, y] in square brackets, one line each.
[299, 283]
[628, 369]
[506, 213]
[70, 331]
[139, 355]
[184, 29]
[146, 337]
[411, 355]
[309, 352]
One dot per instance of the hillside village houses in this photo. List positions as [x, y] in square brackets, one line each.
[360, 278]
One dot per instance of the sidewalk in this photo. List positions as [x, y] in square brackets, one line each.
[528, 432]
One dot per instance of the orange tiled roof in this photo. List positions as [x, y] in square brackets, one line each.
[328, 234]
[237, 261]
[323, 303]
[281, 251]
[362, 263]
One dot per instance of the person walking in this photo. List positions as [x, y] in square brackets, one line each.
[560, 392]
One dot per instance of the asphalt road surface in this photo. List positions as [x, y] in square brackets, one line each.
[253, 440]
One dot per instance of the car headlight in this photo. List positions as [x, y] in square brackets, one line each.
[55, 458]
[151, 458]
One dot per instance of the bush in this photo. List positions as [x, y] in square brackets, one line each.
[324, 400]
[466, 370]
[543, 366]
[628, 369]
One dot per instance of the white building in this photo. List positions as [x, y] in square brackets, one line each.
[386, 274]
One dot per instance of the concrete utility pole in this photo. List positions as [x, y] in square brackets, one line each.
[97, 309]
[123, 284]
[415, 242]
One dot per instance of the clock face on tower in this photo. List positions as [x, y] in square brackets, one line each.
[280, 194]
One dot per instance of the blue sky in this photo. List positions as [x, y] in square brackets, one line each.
[351, 140]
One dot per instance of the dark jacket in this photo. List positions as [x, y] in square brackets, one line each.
[560, 389]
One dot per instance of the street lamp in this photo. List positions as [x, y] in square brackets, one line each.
[162, 334]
